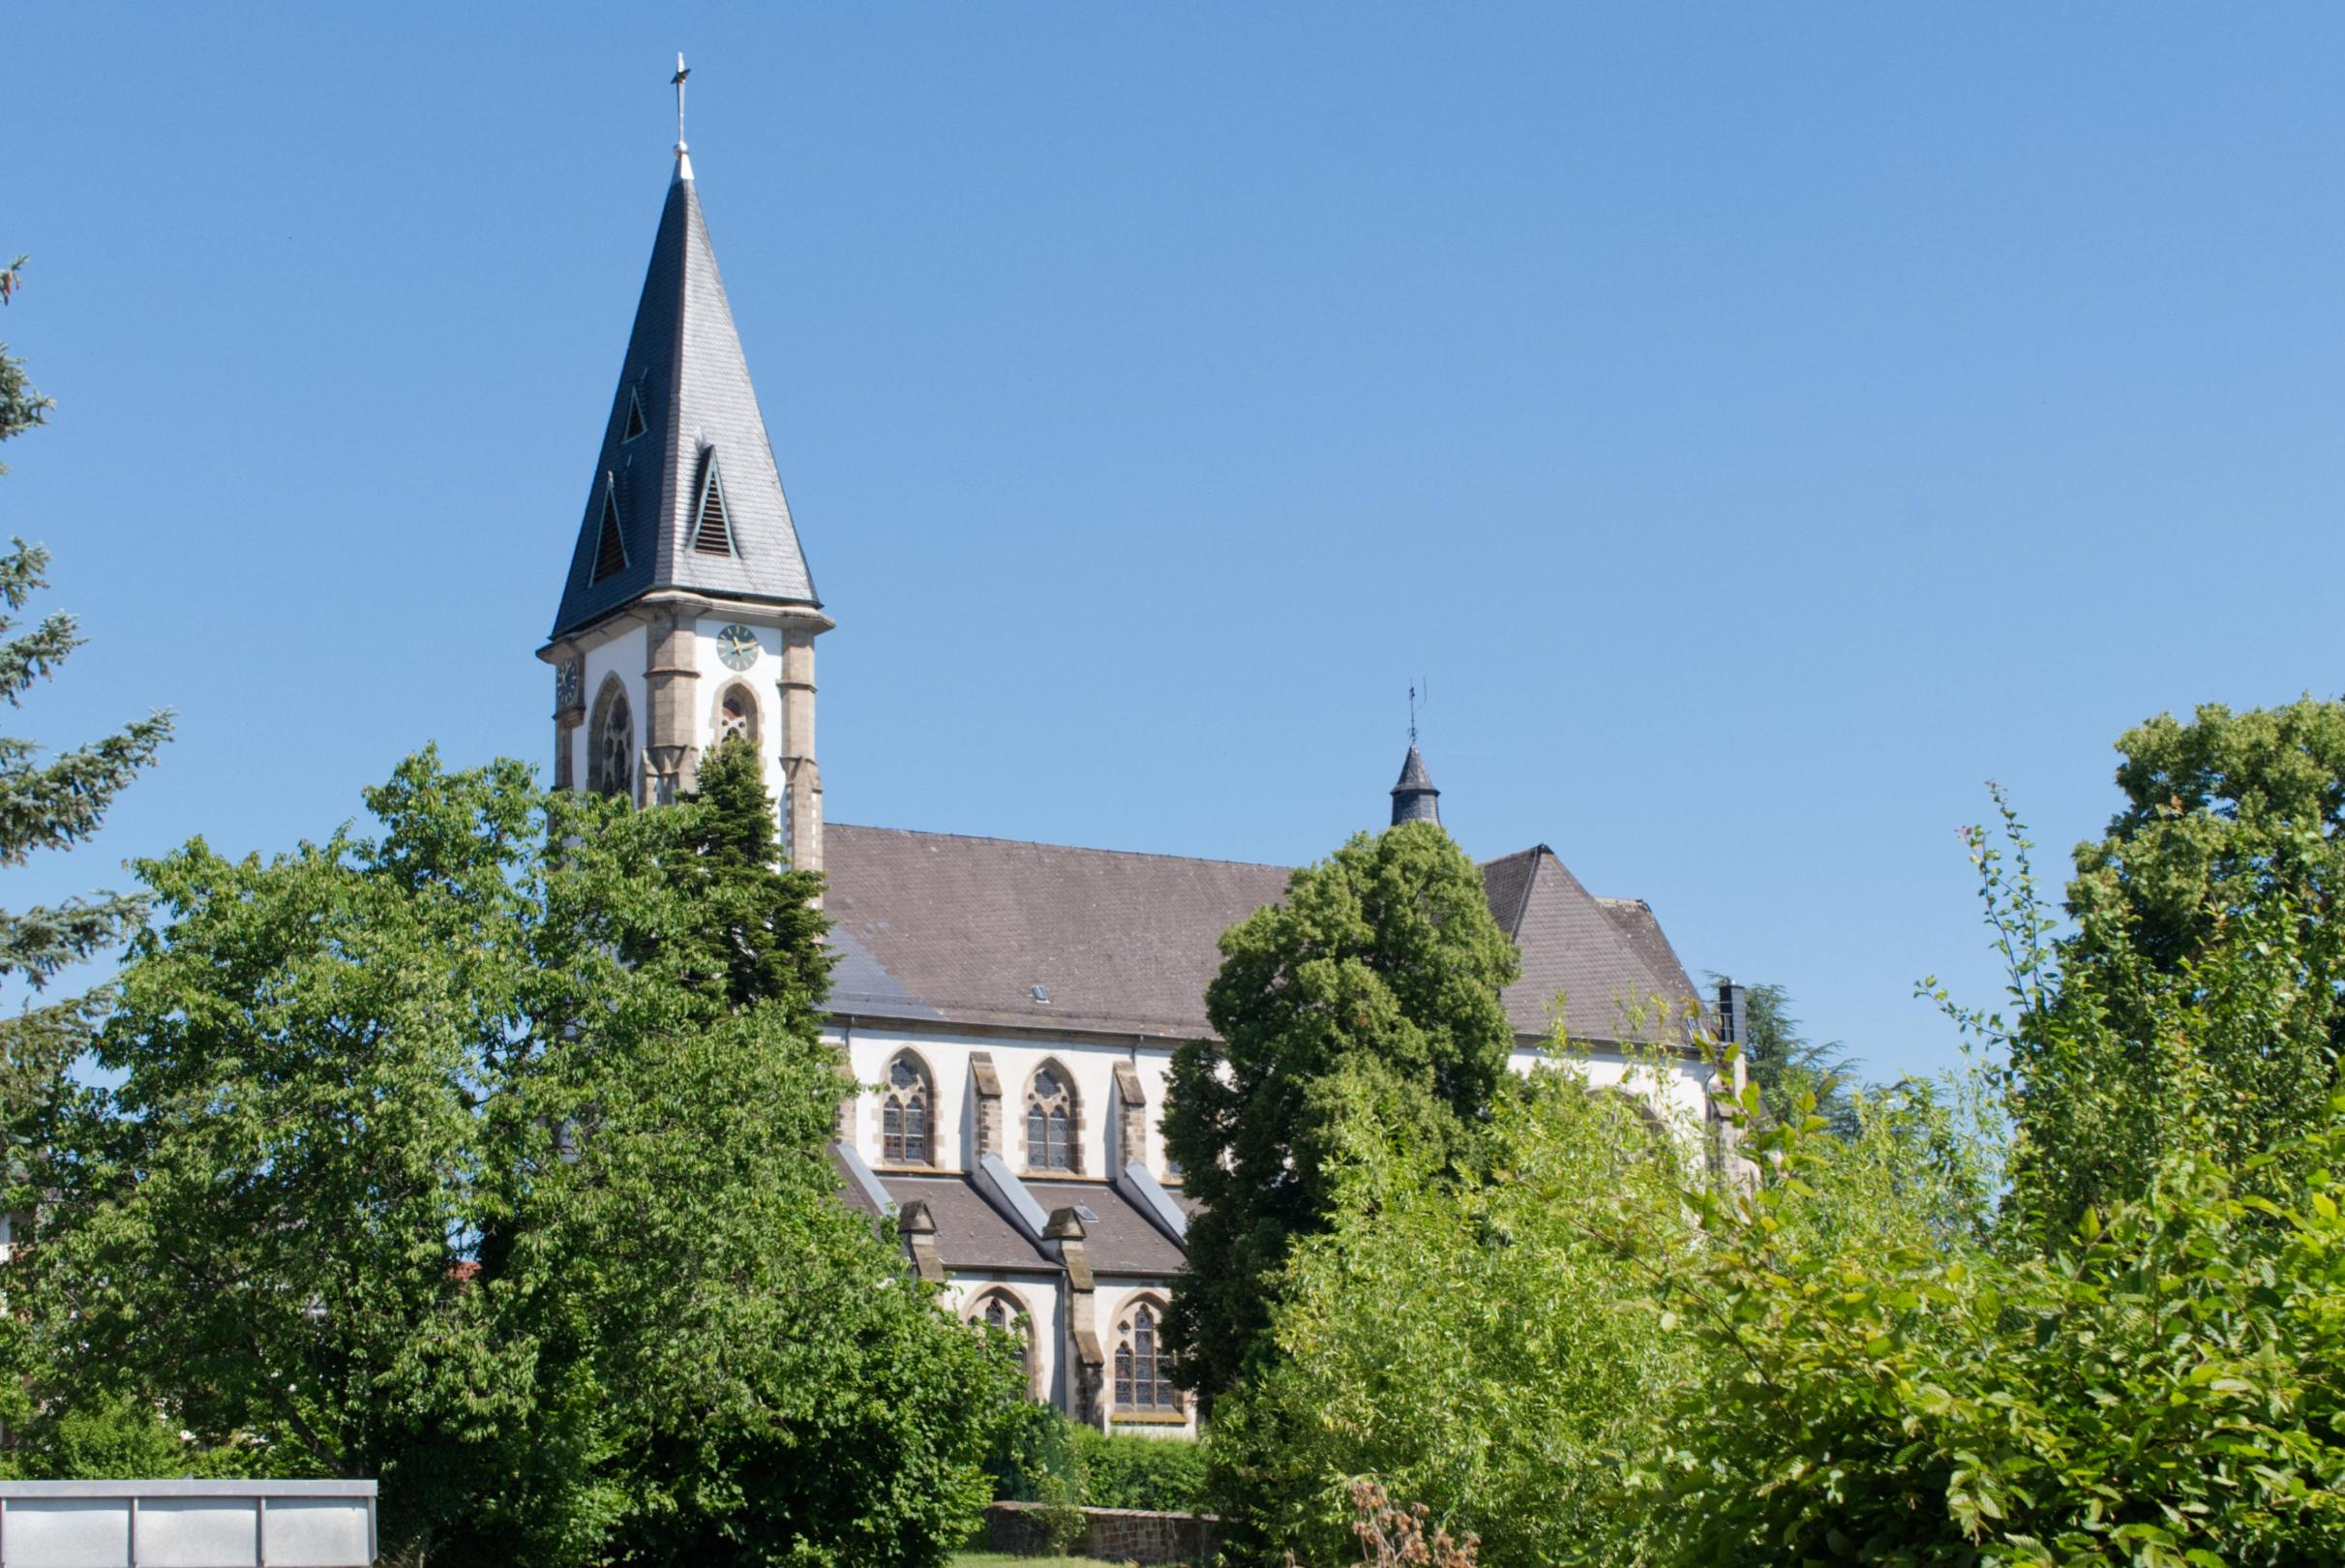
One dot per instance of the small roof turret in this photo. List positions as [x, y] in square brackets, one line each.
[1414, 798]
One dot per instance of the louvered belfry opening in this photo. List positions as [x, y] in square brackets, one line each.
[712, 533]
[635, 416]
[611, 549]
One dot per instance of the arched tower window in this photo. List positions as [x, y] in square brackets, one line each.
[611, 739]
[1143, 1368]
[904, 1118]
[1000, 1310]
[735, 715]
[1050, 1121]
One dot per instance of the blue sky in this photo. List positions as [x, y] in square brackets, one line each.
[1758, 426]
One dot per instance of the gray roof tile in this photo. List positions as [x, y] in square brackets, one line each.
[970, 1232]
[1117, 1238]
[942, 927]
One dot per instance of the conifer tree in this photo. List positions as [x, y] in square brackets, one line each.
[49, 805]
[765, 920]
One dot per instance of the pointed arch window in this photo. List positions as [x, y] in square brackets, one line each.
[610, 544]
[1144, 1384]
[611, 763]
[1050, 1121]
[904, 1118]
[1000, 1310]
[713, 527]
[736, 715]
[635, 417]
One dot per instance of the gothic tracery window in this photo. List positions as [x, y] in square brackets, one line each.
[904, 1115]
[611, 763]
[1050, 1122]
[1143, 1368]
[1001, 1312]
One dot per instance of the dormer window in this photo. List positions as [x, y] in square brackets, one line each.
[611, 543]
[635, 417]
[712, 528]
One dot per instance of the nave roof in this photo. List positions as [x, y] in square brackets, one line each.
[945, 928]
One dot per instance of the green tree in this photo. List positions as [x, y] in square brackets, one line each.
[1786, 1065]
[1470, 1340]
[2227, 816]
[2116, 1048]
[1376, 985]
[765, 920]
[448, 1154]
[51, 804]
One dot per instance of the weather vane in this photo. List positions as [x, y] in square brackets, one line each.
[678, 80]
[1412, 708]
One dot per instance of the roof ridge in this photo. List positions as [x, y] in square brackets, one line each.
[1523, 902]
[1077, 848]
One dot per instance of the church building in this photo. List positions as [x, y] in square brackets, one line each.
[1008, 1010]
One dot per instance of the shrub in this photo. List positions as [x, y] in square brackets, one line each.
[1044, 1458]
[2162, 1389]
[1122, 1470]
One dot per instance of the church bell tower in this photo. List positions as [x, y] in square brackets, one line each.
[688, 615]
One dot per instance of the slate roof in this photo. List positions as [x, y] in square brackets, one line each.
[1117, 1238]
[940, 928]
[685, 367]
[970, 1232]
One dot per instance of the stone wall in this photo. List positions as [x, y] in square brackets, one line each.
[1117, 1534]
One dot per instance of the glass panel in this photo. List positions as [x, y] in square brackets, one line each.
[901, 1075]
[1059, 1158]
[1037, 1138]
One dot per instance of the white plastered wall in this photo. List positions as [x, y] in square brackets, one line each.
[623, 656]
[1046, 1310]
[760, 680]
[1090, 1068]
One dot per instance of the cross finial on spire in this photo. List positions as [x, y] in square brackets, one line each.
[1412, 711]
[678, 81]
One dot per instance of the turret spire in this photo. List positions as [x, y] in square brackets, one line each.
[1414, 798]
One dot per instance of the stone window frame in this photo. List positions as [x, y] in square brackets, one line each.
[1172, 1407]
[753, 723]
[1021, 1325]
[610, 701]
[1032, 1102]
[907, 1056]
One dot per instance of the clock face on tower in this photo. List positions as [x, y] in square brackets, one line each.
[566, 684]
[736, 646]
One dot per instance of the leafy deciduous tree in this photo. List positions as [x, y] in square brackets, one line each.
[465, 1155]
